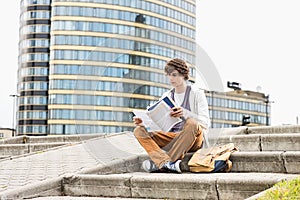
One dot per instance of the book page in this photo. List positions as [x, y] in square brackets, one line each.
[147, 121]
[157, 116]
[161, 116]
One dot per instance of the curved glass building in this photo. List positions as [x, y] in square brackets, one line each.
[85, 64]
[33, 71]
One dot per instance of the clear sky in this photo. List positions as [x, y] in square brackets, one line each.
[9, 38]
[254, 42]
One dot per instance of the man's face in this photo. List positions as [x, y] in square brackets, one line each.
[176, 79]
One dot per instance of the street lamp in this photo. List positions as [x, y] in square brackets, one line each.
[14, 106]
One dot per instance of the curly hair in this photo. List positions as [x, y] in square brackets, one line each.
[179, 65]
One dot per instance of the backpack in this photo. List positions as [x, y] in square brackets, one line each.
[213, 159]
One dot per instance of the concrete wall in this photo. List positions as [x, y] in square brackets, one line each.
[6, 133]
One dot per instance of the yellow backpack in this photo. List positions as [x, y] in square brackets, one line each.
[213, 159]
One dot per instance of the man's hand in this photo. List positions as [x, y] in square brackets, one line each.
[137, 121]
[176, 112]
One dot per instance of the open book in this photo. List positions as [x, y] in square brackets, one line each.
[157, 116]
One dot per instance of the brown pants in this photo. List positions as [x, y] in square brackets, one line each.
[168, 146]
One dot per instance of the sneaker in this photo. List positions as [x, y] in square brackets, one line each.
[149, 166]
[172, 166]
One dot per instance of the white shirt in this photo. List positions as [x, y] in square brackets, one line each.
[198, 104]
[179, 97]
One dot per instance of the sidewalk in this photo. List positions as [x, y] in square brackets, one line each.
[27, 169]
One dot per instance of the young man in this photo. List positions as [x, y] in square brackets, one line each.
[167, 149]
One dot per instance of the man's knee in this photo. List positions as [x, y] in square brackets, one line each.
[191, 122]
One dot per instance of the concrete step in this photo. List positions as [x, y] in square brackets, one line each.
[215, 133]
[277, 162]
[24, 139]
[7, 150]
[172, 186]
[29, 144]
[82, 198]
[262, 162]
[259, 162]
[61, 138]
[206, 186]
[286, 129]
[263, 142]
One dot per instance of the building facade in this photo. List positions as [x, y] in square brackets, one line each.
[238, 108]
[85, 64]
[6, 133]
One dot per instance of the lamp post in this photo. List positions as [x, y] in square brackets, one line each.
[14, 106]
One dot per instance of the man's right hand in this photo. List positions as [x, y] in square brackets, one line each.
[137, 121]
[176, 112]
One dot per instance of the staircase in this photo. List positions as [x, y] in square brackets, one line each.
[277, 153]
[21, 145]
[266, 156]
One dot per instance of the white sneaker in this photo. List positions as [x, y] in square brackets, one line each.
[172, 166]
[149, 166]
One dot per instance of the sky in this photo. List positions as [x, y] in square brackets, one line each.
[253, 42]
[256, 43]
